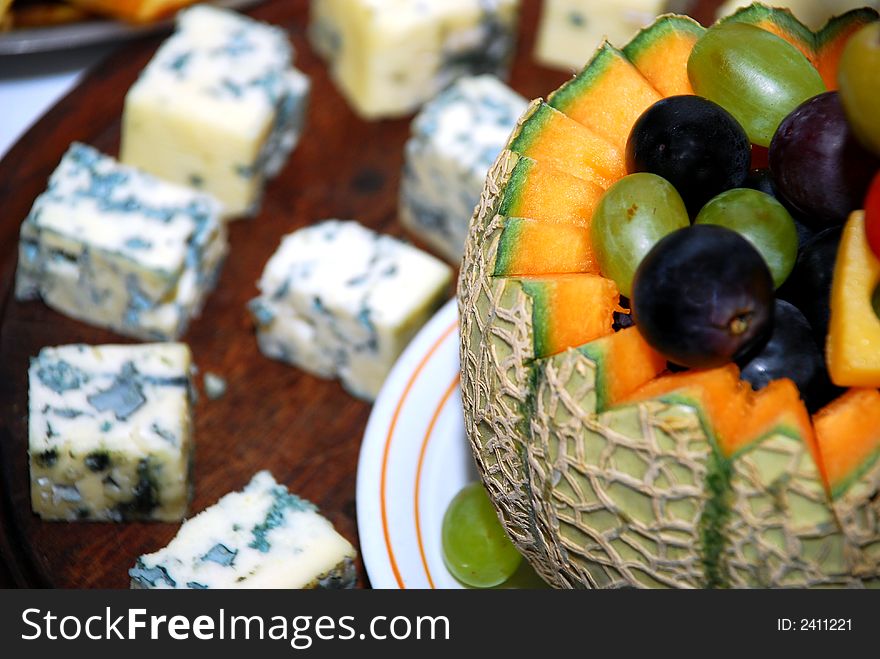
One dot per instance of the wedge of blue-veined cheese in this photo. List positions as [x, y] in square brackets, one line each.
[339, 300]
[390, 56]
[261, 537]
[110, 432]
[455, 139]
[117, 248]
[219, 107]
[570, 30]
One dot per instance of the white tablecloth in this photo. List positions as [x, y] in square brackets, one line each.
[31, 84]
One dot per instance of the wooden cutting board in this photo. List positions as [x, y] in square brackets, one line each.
[305, 430]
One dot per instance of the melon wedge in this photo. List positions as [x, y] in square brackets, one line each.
[539, 191]
[717, 394]
[624, 362]
[607, 96]
[848, 433]
[570, 310]
[780, 22]
[777, 409]
[736, 415]
[549, 136]
[831, 40]
[764, 487]
[532, 247]
[781, 531]
[660, 52]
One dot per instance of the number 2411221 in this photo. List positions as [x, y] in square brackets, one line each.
[814, 624]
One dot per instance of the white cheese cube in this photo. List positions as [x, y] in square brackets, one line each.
[110, 432]
[390, 56]
[261, 537]
[117, 248]
[337, 299]
[219, 107]
[570, 30]
[455, 139]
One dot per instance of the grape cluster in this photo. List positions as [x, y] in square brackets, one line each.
[725, 261]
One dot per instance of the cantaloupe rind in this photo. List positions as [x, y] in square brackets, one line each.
[572, 483]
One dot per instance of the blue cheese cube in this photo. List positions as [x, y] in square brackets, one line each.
[390, 56]
[455, 139]
[261, 537]
[219, 107]
[117, 248]
[570, 30]
[339, 300]
[284, 335]
[110, 432]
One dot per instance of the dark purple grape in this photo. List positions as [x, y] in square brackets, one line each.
[672, 367]
[790, 352]
[808, 287]
[761, 180]
[622, 319]
[805, 233]
[694, 144]
[703, 296]
[817, 163]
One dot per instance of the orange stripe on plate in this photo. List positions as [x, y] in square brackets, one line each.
[390, 436]
[428, 433]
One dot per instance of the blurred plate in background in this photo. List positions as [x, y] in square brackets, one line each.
[88, 33]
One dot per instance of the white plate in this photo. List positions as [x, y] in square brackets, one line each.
[413, 460]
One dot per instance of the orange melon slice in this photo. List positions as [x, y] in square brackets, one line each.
[624, 362]
[539, 191]
[848, 435]
[831, 40]
[530, 247]
[550, 136]
[660, 52]
[570, 310]
[607, 96]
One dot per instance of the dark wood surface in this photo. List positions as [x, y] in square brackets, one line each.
[307, 431]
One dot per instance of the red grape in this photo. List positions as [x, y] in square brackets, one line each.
[818, 165]
[872, 215]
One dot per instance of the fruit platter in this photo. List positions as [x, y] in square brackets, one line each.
[253, 412]
[670, 341]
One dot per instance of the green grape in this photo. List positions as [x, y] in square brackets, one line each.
[859, 79]
[761, 220]
[476, 549]
[756, 76]
[525, 578]
[632, 216]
